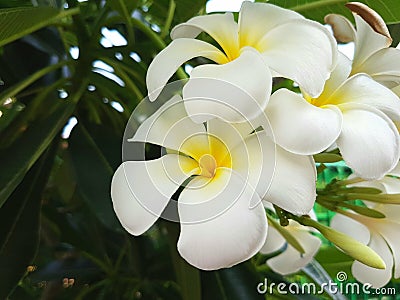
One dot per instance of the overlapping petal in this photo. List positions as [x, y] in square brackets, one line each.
[363, 89]
[296, 175]
[342, 28]
[376, 277]
[140, 190]
[313, 53]
[170, 127]
[364, 128]
[367, 41]
[301, 127]
[290, 260]
[221, 27]
[255, 13]
[165, 64]
[231, 92]
[210, 213]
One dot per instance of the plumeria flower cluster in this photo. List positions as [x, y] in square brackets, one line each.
[234, 151]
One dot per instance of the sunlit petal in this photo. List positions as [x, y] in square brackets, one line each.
[365, 127]
[363, 89]
[231, 92]
[218, 229]
[296, 176]
[255, 19]
[140, 190]
[351, 227]
[221, 27]
[290, 260]
[301, 127]
[301, 50]
[367, 42]
[165, 64]
[170, 127]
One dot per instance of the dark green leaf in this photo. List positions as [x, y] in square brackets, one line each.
[20, 21]
[18, 158]
[94, 173]
[19, 231]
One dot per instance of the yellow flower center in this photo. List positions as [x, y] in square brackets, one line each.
[207, 165]
[209, 152]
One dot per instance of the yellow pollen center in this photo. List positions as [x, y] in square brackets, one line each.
[207, 165]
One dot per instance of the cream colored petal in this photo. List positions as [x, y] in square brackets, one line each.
[171, 127]
[140, 190]
[364, 128]
[274, 241]
[301, 127]
[218, 229]
[235, 92]
[301, 50]
[221, 27]
[165, 64]
[255, 19]
[367, 42]
[363, 89]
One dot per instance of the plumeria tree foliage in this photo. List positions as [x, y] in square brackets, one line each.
[87, 65]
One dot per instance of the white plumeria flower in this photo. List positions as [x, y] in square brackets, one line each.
[351, 111]
[381, 235]
[291, 260]
[267, 39]
[373, 54]
[222, 219]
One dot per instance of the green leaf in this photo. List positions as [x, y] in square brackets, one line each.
[20, 21]
[19, 231]
[318, 9]
[18, 158]
[327, 158]
[93, 172]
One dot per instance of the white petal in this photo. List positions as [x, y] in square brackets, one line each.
[351, 227]
[365, 274]
[301, 127]
[392, 186]
[236, 92]
[165, 64]
[255, 19]
[367, 42]
[211, 235]
[383, 66]
[369, 141]
[363, 89]
[338, 76]
[343, 30]
[255, 160]
[170, 127]
[221, 27]
[274, 241]
[307, 54]
[140, 190]
[291, 261]
[390, 230]
[395, 171]
[293, 184]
